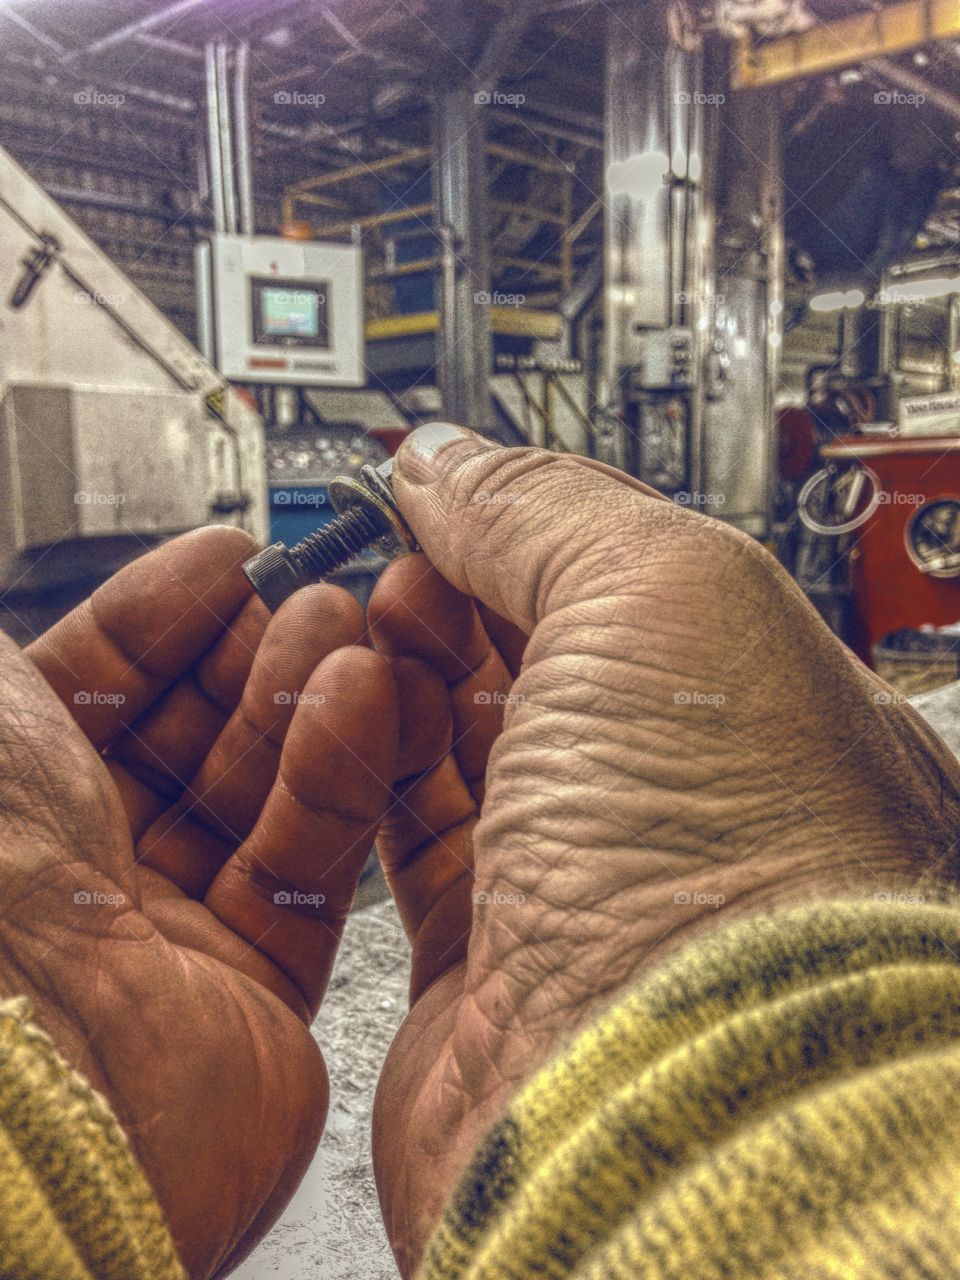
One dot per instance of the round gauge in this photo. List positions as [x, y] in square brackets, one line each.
[933, 538]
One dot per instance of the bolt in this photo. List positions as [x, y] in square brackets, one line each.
[367, 516]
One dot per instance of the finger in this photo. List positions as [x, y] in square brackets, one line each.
[452, 686]
[414, 612]
[421, 845]
[289, 887]
[153, 760]
[548, 533]
[112, 656]
[509, 641]
[220, 804]
[426, 839]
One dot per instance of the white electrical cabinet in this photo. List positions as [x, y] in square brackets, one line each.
[284, 311]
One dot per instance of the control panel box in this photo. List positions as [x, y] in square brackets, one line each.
[285, 311]
[666, 359]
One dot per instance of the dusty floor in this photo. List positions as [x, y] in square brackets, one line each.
[331, 1229]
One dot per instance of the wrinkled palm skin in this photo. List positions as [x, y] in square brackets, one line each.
[590, 717]
[643, 716]
[154, 796]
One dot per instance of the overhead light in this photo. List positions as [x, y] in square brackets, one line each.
[639, 175]
[839, 300]
[907, 291]
[622, 295]
[280, 38]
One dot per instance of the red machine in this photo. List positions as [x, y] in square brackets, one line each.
[902, 531]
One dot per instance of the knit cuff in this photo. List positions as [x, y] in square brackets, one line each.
[74, 1202]
[767, 1102]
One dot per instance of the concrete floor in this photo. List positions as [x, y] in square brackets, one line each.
[332, 1228]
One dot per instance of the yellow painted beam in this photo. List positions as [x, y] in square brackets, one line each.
[533, 266]
[403, 326]
[845, 42]
[517, 322]
[360, 170]
[405, 269]
[516, 155]
[374, 220]
[525, 322]
[526, 210]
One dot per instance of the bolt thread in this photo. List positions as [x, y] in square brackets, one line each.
[320, 553]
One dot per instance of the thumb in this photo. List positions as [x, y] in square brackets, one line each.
[525, 531]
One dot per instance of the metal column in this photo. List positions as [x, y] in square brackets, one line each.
[463, 339]
[692, 271]
[743, 322]
[653, 268]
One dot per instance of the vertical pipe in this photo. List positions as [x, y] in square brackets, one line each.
[460, 198]
[213, 139]
[448, 278]
[226, 140]
[206, 339]
[566, 244]
[241, 113]
[952, 382]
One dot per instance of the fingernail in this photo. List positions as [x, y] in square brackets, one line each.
[427, 452]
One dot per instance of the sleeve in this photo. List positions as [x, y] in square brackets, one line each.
[779, 1099]
[74, 1203]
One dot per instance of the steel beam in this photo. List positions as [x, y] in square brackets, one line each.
[460, 198]
[167, 14]
[176, 47]
[41, 37]
[507, 35]
[891, 72]
[884, 29]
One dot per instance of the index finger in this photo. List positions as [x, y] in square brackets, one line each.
[111, 657]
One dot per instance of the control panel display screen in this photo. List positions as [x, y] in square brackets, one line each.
[290, 313]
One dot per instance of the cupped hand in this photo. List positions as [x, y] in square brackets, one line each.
[621, 723]
[188, 792]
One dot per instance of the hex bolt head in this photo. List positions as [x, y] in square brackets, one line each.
[367, 516]
[274, 575]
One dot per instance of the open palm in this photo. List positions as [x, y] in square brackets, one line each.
[188, 791]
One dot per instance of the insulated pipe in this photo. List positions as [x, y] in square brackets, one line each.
[241, 111]
[213, 140]
[226, 139]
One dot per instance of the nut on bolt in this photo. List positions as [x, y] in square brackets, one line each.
[367, 516]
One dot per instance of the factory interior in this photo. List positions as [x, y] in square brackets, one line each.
[668, 242]
[247, 247]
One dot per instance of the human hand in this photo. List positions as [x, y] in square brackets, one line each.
[683, 742]
[193, 759]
